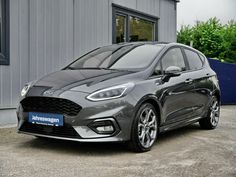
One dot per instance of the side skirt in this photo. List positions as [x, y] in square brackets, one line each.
[179, 124]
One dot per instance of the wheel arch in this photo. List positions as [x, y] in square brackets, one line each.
[152, 99]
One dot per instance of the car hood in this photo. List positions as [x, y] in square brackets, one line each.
[78, 80]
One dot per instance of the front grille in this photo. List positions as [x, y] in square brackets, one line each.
[50, 105]
[64, 131]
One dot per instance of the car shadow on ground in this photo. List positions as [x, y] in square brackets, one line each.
[71, 147]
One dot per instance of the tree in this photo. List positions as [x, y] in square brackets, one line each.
[212, 38]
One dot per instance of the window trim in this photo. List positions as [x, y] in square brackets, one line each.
[127, 12]
[4, 56]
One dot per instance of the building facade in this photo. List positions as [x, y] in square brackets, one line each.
[40, 36]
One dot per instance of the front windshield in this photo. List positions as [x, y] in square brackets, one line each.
[127, 57]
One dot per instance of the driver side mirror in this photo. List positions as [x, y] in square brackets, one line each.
[171, 71]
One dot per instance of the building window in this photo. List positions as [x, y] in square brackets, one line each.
[131, 25]
[120, 28]
[4, 32]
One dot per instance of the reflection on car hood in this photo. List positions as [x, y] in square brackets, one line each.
[69, 79]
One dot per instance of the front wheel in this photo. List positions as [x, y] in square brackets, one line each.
[212, 119]
[145, 129]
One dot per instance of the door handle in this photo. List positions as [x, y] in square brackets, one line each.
[188, 81]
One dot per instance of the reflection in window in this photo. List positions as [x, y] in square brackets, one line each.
[193, 59]
[173, 57]
[120, 28]
[141, 30]
[130, 26]
[118, 57]
[138, 57]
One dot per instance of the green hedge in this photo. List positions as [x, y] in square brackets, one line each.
[212, 38]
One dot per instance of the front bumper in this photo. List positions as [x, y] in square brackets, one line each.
[78, 128]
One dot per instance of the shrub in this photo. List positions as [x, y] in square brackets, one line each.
[211, 38]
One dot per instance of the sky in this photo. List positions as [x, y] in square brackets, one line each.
[189, 11]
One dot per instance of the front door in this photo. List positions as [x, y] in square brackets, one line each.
[177, 93]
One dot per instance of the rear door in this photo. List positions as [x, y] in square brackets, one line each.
[176, 94]
[201, 82]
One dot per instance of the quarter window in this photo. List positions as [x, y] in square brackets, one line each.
[173, 57]
[193, 59]
[158, 70]
[130, 25]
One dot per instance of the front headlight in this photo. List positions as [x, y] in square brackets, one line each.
[26, 89]
[111, 92]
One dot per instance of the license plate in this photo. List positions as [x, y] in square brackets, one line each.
[46, 119]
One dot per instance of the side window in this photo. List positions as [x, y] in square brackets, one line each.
[194, 60]
[173, 57]
[157, 70]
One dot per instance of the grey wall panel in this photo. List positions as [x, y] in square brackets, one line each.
[91, 25]
[167, 22]
[51, 35]
[41, 41]
[47, 34]
[130, 3]
[147, 6]
[13, 77]
[19, 49]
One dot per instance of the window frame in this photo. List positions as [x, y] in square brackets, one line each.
[127, 12]
[4, 56]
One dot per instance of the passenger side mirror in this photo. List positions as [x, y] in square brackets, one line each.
[171, 71]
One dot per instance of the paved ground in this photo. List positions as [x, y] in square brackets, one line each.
[188, 151]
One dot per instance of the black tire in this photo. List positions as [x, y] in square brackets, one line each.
[149, 129]
[213, 115]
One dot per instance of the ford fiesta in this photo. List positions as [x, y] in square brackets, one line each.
[125, 92]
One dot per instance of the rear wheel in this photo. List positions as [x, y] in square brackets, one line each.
[145, 129]
[212, 119]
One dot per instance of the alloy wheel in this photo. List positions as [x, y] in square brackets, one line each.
[214, 115]
[147, 127]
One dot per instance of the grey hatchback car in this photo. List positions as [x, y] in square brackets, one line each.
[126, 92]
